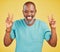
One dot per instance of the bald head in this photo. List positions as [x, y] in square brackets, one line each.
[29, 3]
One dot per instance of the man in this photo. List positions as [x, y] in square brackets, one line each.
[30, 32]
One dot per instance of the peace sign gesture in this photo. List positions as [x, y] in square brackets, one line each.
[52, 21]
[9, 21]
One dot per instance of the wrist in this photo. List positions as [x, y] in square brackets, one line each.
[8, 29]
[53, 27]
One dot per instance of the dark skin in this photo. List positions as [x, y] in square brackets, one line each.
[29, 11]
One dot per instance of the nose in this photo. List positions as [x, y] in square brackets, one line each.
[29, 13]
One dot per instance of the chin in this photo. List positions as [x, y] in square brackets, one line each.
[29, 19]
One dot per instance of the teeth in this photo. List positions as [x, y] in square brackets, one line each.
[29, 17]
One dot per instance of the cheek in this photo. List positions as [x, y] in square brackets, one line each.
[25, 14]
[33, 14]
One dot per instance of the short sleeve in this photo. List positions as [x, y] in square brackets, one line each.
[47, 32]
[47, 35]
[12, 33]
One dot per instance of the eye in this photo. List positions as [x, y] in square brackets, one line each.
[26, 11]
[32, 11]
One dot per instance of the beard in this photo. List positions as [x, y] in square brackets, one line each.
[29, 20]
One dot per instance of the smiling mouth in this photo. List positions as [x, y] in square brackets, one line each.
[29, 18]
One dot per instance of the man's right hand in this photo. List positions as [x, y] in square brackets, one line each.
[9, 21]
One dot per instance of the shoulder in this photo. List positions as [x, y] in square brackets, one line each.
[40, 21]
[18, 21]
[43, 25]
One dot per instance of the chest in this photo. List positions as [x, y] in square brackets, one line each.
[33, 34]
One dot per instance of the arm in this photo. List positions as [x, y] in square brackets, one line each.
[53, 39]
[7, 39]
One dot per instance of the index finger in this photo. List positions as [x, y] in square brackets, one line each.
[8, 15]
[12, 17]
[50, 17]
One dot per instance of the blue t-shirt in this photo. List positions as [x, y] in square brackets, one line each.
[29, 38]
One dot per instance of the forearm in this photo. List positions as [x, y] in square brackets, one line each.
[53, 39]
[7, 39]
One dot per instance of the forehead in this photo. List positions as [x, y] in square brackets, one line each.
[29, 7]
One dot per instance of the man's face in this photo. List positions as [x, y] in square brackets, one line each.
[29, 11]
